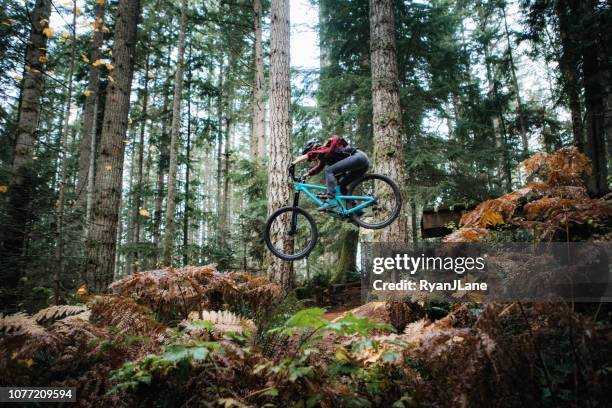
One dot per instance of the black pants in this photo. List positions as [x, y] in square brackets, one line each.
[350, 169]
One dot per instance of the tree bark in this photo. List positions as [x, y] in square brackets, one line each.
[139, 186]
[187, 207]
[89, 110]
[279, 191]
[595, 146]
[258, 137]
[20, 190]
[387, 115]
[169, 228]
[218, 180]
[347, 261]
[59, 222]
[161, 168]
[102, 243]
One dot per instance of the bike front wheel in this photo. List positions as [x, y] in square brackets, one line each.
[290, 233]
[387, 204]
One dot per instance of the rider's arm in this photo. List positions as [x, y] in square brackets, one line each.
[316, 169]
[300, 159]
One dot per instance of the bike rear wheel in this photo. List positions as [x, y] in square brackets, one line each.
[388, 202]
[290, 233]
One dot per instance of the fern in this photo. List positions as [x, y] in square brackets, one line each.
[174, 292]
[220, 322]
[53, 313]
[20, 323]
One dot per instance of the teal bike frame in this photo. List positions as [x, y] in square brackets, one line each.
[341, 199]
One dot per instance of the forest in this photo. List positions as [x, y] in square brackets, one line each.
[145, 143]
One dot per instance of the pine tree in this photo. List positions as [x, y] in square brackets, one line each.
[388, 140]
[102, 240]
[169, 226]
[279, 192]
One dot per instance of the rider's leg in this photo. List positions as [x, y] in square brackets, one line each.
[362, 164]
[356, 163]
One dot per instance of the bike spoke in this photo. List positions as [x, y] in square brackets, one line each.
[293, 229]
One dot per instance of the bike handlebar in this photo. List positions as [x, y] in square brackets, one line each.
[292, 174]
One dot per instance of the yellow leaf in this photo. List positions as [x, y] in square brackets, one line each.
[100, 2]
[105, 30]
[18, 77]
[144, 212]
[84, 58]
[42, 59]
[28, 362]
[65, 35]
[150, 75]
[49, 32]
[77, 10]
[44, 22]
[87, 92]
[152, 149]
[111, 79]
[108, 167]
[81, 291]
[110, 67]
[3, 189]
[97, 62]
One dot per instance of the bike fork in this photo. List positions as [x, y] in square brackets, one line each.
[296, 202]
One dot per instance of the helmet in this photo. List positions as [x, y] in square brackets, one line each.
[309, 145]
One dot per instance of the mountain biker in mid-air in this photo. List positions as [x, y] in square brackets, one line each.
[340, 158]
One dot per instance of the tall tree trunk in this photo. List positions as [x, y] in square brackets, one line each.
[225, 208]
[169, 227]
[187, 172]
[134, 211]
[89, 110]
[20, 191]
[595, 146]
[59, 222]
[517, 90]
[90, 177]
[347, 261]
[161, 167]
[569, 68]
[279, 191]
[387, 115]
[218, 208]
[258, 137]
[102, 242]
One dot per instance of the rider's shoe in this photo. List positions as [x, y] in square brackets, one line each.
[328, 205]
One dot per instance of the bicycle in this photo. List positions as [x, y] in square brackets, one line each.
[373, 201]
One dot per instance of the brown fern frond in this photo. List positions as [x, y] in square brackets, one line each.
[125, 314]
[222, 321]
[20, 323]
[467, 235]
[52, 313]
[564, 167]
[173, 292]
